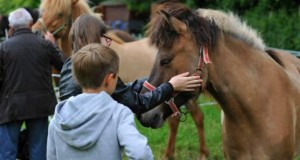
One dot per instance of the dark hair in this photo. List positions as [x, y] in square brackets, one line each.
[85, 30]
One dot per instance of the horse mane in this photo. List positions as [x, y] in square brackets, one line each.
[163, 35]
[66, 6]
[82, 7]
[204, 24]
[230, 23]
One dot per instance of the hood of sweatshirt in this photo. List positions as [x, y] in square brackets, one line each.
[80, 120]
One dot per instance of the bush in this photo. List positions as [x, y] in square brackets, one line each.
[276, 21]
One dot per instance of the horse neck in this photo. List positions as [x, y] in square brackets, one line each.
[64, 42]
[135, 46]
[67, 51]
[136, 59]
[237, 75]
[65, 45]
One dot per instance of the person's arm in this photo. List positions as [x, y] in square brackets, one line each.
[181, 82]
[135, 144]
[137, 85]
[141, 103]
[55, 53]
[67, 84]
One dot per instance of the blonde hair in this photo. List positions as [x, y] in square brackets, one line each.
[85, 30]
[92, 63]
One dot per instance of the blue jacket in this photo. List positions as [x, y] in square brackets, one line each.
[94, 127]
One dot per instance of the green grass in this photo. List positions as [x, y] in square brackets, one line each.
[187, 144]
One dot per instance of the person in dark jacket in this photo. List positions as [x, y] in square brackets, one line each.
[26, 90]
[88, 29]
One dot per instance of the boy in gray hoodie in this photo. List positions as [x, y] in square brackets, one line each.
[91, 125]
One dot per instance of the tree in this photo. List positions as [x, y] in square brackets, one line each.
[10, 5]
[276, 20]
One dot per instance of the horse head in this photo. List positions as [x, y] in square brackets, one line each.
[241, 78]
[57, 17]
[182, 38]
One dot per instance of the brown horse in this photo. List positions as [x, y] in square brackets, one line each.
[259, 93]
[198, 118]
[136, 58]
[57, 16]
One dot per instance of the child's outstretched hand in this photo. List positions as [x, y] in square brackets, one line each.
[183, 82]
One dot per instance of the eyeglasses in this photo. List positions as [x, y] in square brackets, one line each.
[108, 40]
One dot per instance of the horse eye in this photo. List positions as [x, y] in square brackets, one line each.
[165, 62]
[59, 15]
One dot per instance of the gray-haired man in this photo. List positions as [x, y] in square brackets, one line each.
[26, 92]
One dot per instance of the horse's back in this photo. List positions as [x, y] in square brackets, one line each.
[136, 59]
[291, 65]
[288, 61]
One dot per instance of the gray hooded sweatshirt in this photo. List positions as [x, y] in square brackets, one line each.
[94, 127]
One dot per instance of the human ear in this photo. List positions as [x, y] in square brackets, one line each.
[112, 76]
[109, 79]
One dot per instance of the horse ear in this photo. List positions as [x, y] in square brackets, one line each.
[179, 26]
[74, 1]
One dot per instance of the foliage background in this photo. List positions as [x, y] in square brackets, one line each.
[277, 21]
[7, 6]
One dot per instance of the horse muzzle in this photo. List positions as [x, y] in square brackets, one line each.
[153, 118]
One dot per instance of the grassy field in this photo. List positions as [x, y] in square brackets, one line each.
[187, 144]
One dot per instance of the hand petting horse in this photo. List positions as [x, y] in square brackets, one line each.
[258, 91]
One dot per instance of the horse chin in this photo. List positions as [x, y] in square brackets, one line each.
[152, 120]
[158, 122]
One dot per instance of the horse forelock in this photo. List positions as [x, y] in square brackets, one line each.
[66, 7]
[231, 23]
[160, 32]
[52, 7]
[163, 35]
[82, 7]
